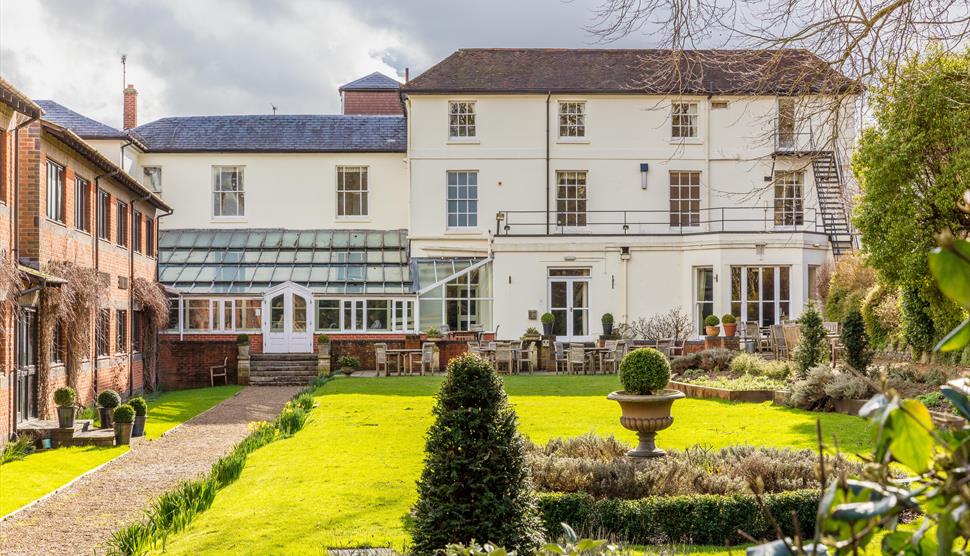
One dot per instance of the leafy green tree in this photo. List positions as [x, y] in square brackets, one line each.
[475, 485]
[812, 348]
[912, 167]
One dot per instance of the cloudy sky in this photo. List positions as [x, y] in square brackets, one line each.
[240, 56]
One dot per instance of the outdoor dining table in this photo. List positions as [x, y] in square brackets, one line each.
[404, 353]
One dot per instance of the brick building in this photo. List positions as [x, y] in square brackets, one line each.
[66, 205]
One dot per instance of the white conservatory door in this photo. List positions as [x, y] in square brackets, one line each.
[288, 319]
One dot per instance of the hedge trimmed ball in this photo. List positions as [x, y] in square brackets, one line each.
[644, 371]
[109, 399]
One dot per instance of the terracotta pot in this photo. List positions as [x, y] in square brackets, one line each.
[106, 415]
[122, 433]
[730, 329]
[713, 330]
[645, 415]
[138, 427]
[65, 417]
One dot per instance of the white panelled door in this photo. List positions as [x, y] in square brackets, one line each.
[288, 319]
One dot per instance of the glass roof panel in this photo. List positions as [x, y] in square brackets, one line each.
[289, 239]
[322, 257]
[204, 239]
[392, 239]
[319, 274]
[282, 274]
[168, 274]
[186, 239]
[195, 256]
[238, 239]
[221, 239]
[340, 239]
[273, 240]
[301, 274]
[268, 257]
[286, 257]
[189, 274]
[393, 274]
[375, 240]
[306, 240]
[254, 240]
[304, 256]
[375, 273]
[357, 239]
[324, 239]
[263, 274]
[168, 239]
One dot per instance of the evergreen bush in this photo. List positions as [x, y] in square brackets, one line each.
[475, 483]
[812, 346]
[109, 399]
[65, 396]
[124, 414]
[858, 354]
[644, 371]
[140, 406]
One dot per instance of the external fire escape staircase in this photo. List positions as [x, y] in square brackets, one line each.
[829, 182]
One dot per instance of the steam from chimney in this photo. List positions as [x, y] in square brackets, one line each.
[131, 107]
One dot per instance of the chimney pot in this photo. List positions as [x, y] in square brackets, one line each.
[130, 113]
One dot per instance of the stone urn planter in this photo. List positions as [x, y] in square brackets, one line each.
[646, 415]
[645, 403]
[65, 398]
[124, 416]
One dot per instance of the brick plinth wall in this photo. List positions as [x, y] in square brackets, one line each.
[185, 363]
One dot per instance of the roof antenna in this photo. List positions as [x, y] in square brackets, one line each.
[274, 109]
[124, 71]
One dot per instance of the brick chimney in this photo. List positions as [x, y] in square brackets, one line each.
[131, 107]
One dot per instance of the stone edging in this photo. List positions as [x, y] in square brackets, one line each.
[710, 392]
[98, 468]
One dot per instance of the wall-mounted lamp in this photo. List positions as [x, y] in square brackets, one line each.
[569, 258]
[643, 174]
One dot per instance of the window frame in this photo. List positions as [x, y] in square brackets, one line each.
[121, 330]
[343, 193]
[468, 213]
[136, 235]
[82, 204]
[693, 216]
[575, 218]
[218, 192]
[121, 228]
[103, 333]
[678, 126]
[579, 125]
[703, 307]
[56, 191]
[741, 303]
[104, 215]
[148, 180]
[789, 207]
[149, 237]
[458, 131]
[57, 344]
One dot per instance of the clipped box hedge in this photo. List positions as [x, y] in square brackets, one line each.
[696, 519]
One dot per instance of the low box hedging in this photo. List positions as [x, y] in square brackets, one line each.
[696, 519]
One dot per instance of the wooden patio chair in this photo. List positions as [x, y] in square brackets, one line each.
[380, 358]
[224, 368]
[503, 358]
[611, 359]
[831, 328]
[524, 356]
[793, 333]
[576, 355]
[426, 359]
[560, 356]
[778, 346]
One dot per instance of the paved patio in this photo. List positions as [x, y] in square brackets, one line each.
[82, 517]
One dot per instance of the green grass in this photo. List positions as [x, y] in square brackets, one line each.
[349, 476]
[26, 480]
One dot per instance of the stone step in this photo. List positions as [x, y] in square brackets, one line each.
[274, 368]
[278, 381]
[283, 357]
[297, 374]
[283, 364]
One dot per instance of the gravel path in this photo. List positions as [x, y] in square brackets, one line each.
[82, 517]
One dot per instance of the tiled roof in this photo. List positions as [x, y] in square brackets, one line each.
[283, 133]
[83, 126]
[13, 98]
[529, 70]
[376, 81]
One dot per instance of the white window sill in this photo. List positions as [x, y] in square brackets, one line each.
[360, 219]
[463, 140]
[229, 219]
[686, 141]
[463, 231]
[573, 140]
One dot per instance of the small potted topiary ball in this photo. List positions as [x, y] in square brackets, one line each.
[607, 321]
[64, 399]
[108, 400]
[711, 325]
[548, 320]
[644, 402]
[123, 416]
[140, 406]
[730, 325]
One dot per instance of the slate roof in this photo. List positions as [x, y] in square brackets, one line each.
[83, 126]
[376, 81]
[280, 133]
[541, 70]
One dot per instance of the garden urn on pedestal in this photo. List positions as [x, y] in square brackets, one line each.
[323, 355]
[123, 416]
[242, 359]
[108, 400]
[644, 403]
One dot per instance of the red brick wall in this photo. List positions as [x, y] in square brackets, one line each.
[185, 363]
[372, 102]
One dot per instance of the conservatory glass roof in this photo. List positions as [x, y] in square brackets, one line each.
[428, 271]
[251, 261]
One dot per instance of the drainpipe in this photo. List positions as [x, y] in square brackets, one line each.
[548, 192]
[624, 289]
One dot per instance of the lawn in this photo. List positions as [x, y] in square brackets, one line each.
[348, 477]
[38, 474]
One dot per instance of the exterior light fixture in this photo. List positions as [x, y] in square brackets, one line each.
[643, 174]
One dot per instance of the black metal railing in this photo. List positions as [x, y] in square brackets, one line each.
[708, 220]
[798, 139]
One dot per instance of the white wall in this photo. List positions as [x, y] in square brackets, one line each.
[296, 191]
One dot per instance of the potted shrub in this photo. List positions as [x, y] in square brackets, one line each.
[531, 334]
[730, 325]
[242, 342]
[123, 416]
[108, 400]
[644, 402]
[711, 325]
[348, 364]
[607, 320]
[433, 334]
[140, 406]
[548, 319]
[64, 399]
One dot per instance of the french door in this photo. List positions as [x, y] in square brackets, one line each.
[26, 364]
[288, 319]
[569, 302]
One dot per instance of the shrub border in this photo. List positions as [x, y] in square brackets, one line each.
[696, 519]
[174, 510]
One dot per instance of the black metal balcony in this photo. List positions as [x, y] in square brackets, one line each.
[787, 218]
